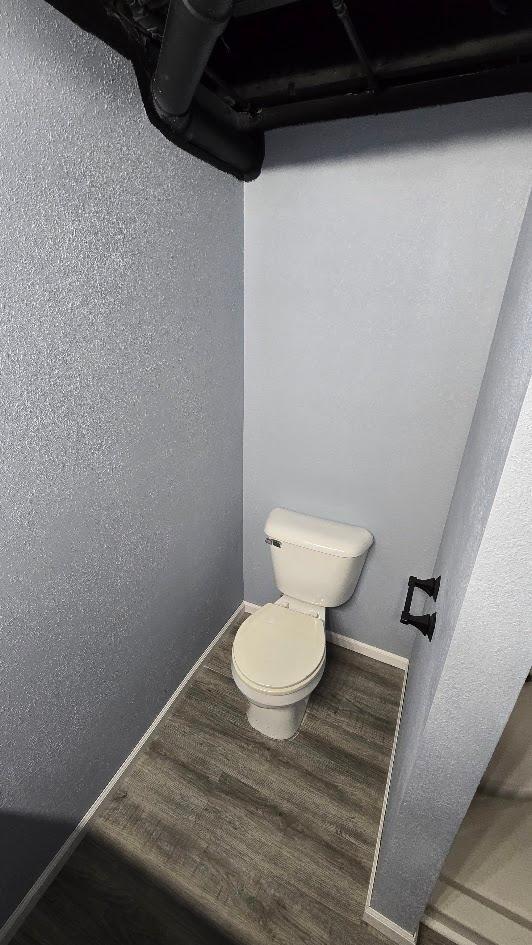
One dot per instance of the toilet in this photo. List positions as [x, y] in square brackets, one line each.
[278, 653]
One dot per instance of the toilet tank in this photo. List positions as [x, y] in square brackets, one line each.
[315, 560]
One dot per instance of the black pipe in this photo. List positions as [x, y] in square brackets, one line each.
[241, 151]
[191, 30]
[342, 13]
[504, 80]
[190, 33]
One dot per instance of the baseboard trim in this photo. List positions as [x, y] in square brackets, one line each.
[369, 911]
[249, 608]
[453, 931]
[23, 909]
[388, 928]
[366, 649]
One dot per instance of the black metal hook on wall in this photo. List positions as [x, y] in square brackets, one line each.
[424, 622]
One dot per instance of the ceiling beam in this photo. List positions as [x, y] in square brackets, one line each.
[504, 80]
[461, 57]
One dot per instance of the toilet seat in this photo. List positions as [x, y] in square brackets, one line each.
[279, 651]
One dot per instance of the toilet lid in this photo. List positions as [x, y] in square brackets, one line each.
[277, 648]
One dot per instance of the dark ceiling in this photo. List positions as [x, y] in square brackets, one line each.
[284, 62]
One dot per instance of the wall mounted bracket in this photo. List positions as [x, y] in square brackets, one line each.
[423, 622]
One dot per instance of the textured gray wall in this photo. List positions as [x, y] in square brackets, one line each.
[121, 387]
[463, 685]
[376, 256]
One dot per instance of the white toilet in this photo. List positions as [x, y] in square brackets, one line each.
[279, 652]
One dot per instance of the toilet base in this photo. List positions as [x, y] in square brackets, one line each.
[280, 722]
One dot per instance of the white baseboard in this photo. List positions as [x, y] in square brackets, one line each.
[369, 912]
[17, 917]
[366, 649]
[249, 608]
[388, 928]
[453, 932]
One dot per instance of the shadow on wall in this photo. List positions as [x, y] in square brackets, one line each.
[420, 128]
[101, 895]
[36, 840]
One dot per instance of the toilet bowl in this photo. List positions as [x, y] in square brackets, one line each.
[278, 655]
[278, 659]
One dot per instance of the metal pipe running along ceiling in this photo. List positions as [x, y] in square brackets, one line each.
[191, 30]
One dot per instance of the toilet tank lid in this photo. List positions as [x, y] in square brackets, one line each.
[318, 534]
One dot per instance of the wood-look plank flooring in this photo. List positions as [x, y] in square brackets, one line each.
[216, 835]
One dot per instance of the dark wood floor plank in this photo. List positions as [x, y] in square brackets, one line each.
[216, 835]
